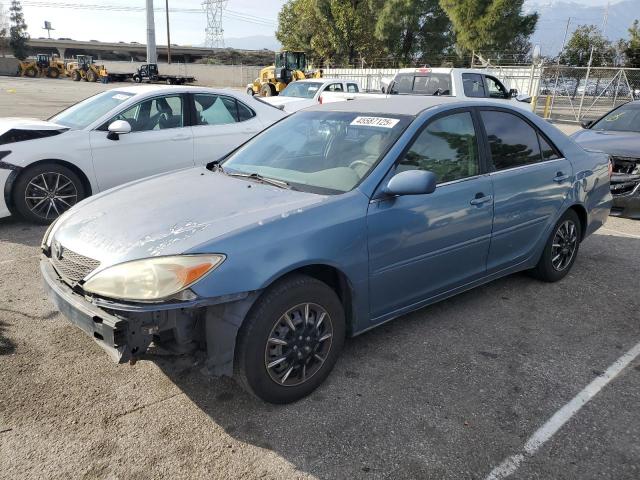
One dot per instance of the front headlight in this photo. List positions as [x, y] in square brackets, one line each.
[151, 279]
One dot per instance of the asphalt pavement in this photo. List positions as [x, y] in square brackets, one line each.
[447, 392]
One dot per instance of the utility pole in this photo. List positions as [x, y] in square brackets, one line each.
[152, 56]
[168, 34]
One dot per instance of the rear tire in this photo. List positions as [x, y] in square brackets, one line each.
[43, 192]
[53, 73]
[75, 76]
[281, 364]
[169, 81]
[31, 72]
[561, 249]
[267, 90]
[137, 79]
[250, 92]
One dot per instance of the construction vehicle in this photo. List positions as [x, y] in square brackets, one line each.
[84, 69]
[288, 67]
[43, 65]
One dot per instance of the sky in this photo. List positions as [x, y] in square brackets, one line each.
[93, 22]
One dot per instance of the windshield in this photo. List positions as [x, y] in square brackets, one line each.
[301, 89]
[421, 84]
[319, 151]
[623, 119]
[83, 114]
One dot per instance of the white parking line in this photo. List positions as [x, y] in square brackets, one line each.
[544, 433]
[631, 235]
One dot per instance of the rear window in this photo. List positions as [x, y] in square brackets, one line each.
[422, 84]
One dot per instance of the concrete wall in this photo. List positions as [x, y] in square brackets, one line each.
[8, 65]
[210, 75]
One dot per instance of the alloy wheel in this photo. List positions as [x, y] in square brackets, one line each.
[49, 194]
[298, 344]
[563, 248]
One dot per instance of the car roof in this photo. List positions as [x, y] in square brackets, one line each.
[397, 105]
[155, 88]
[323, 80]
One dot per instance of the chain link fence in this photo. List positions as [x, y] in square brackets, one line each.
[574, 94]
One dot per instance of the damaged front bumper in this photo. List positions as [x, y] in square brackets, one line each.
[625, 188]
[123, 338]
[125, 331]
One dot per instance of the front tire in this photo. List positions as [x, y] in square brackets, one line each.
[267, 90]
[137, 79]
[45, 191]
[250, 92]
[561, 249]
[290, 340]
[75, 76]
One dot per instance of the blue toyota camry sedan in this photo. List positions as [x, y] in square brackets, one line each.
[329, 223]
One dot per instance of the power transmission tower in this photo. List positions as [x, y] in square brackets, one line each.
[214, 31]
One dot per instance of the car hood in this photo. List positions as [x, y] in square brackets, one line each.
[290, 104]
[9, 123]
[172, 213]
[624, 144]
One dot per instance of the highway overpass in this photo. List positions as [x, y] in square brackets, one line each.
[119, 50]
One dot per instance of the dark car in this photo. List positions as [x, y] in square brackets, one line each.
[618, 134]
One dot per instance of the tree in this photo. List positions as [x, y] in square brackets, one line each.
[632, 50]
[18, 35]
[414, 31]
[489, 26]
[4, 30]
[578, 49]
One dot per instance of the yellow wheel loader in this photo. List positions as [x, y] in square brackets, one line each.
[83, 69]
[288, 67]
[43, 65]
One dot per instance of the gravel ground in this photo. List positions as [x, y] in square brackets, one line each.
[446, 392]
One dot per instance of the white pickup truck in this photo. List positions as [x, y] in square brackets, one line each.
[465, 83]
[305, 93]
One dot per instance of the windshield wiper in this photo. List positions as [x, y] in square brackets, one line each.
[260, 178]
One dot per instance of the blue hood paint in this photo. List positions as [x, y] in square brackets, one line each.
[173, 213]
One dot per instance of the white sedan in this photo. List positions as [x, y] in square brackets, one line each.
[116, 137]
[306, 93]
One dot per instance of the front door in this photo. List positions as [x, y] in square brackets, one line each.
[421, 246]
[158, 142]
[531, 182]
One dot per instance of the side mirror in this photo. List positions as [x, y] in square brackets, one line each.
[513, 93]
[412, 182]
[117, 128]
[524, 98]
[587, 124]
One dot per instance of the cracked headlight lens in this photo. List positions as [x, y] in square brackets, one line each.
[151, 279]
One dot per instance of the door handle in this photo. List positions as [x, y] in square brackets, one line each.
[481, 198]
[560, 177]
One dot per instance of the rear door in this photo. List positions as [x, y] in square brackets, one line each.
[531, 181]
[220, 124]
[421, 246]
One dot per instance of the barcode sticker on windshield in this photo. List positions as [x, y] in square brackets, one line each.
[120, 96]
[375, 122]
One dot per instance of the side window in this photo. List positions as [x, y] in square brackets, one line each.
[548, 152]
[215, 109]
[244, 112]
[352, 88]
[448, 147]
[473, 85]
[513, 141]
[334, 87]
[154, 114]
[495, 89]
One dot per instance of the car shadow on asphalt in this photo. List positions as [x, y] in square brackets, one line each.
[446, 391]
[7, 347]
